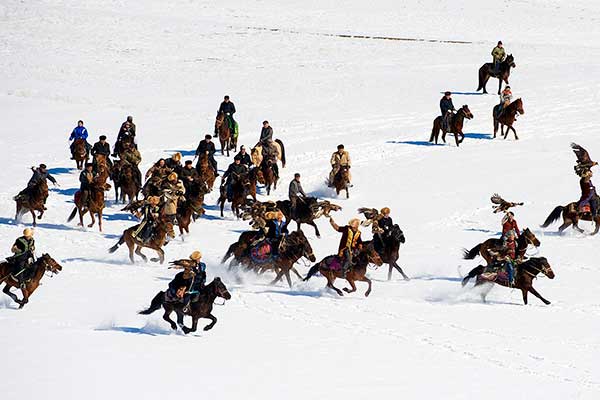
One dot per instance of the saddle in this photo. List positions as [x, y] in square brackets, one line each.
[585, 209]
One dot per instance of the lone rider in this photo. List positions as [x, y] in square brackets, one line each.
[86, 179]
[189, 282]
[149, 214]
[228, 108]
[266, 133]
[339, 159]
[510, 224]
[505, 99]
[447, 108]
[588, 193]
[296, 193]
[206, 146]
[22, 258]
[350, 242]
[498, 55]
[232, 175]
[244, 157]
[79, 132]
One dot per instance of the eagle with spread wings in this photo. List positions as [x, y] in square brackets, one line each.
[502, 205]
[372, 216]
[584, 162]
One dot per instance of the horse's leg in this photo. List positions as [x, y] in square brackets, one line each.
[26, 293]
[390, 269]
[330, 280]
[93, 220]
[536, 294]
[352, 285]
[500, 85]
[495, 127]
[365, 279]
[13, 296]
[138, 251]
[347, 192]
[100, 220]
[456, 135]
[314, 225]
[297, 273]
[395, 265]
[514, 132]
[214, 321]
[34, 217]
[443, 136]
[567, 222]
[167, 317]
[576, 225]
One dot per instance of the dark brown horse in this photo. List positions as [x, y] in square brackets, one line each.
[240, 189]
[31, 199]
[160, 232]
[525, 239]
[266, 176]
[222, 127]
[525, 273]
[388, 249]
[456, 126]
[341, 181]
[41, 265]
[194, 199]
[507, 118]
[95, 204]
[331, 268]
[571, 215]
[200, 307]
[205, 170]
[487, 71]
[80, 154]
[127, 182]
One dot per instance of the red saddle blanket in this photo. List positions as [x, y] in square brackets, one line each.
[585, 209]
[261, 253]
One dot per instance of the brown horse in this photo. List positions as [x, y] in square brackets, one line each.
[95, 204]
[487, 71]
[331, 268]
[257, 157]
[163, 229]
[456, 126]
[205, 170]
[128, 184]
[341, 181]
[525, 239]
[266, 176]
[80, 154]
[525, 273]
[41, 265]
[507, 118]
[31, 199]
[194, 199]
[239, 190]
[571, 216]
[222, 126]
[200, 307]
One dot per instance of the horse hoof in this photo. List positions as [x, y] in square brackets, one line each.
[207, 327]
[367, 294]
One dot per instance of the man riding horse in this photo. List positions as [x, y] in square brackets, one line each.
[266, 133]
[23, 256]
[270, 155]
[86, 179]
[589, 196]
[126, 135]
[207, 147]
[244, 157]
[447, 109]
[228, 108]
[101, 147]
[188, 283]
[350, 242]
[234, 172]
[384, 227]
[505, 99]
[498, 55]
[295, 193]
[150, 214]
[339, 159]
[79, 132]
[40, 176]
[132, 156]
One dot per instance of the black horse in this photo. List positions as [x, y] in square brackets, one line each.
[304, 214]
[388, 248]
[487, 71]
[200, 307]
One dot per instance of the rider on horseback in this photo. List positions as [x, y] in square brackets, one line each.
[509, 224]
[86, 178]
[447, 109]
[339, 159]
[188, 175]
[505, 99]
[40, 175]
[132, 156]
[206, 146]
[276, 230]
[296, 193]
[21, 261]
[188, 282]
[103, 148]
[588, 193]
[385, 225]
[498, 55]
[231, 176]
[350, 242]
[127, 131]
[174, 163]
[149, 214]
[79, 132]
[270, 155]
[266, 133]
[228, 108]
[173, 192]
[244, 157]
[128, 126]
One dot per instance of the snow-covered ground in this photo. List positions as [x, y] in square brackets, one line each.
[169, 65]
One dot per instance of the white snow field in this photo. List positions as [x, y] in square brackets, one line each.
[169, 64]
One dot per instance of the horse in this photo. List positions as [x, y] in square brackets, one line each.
[80, 153]
[294, 247]
[95, 203]
[524, 275]
[487, 71]
[222, 127]
[341, 180]
[456, 126]
[205, 170]
[194, 199]
[256, 153]
[525, 239]
[266, 175]
[571, 216]
[389, 249]
[200, 307]
[160, 232]
[127, 182]
[239, 190]
[508, 117]
[307, 211]
[31, 199]
[331, 268]
[41, 265]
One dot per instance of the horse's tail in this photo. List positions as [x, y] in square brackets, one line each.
[434, 131]
[116, 246]
[471, 254]
[480, 86]
[230, 251]
[73, 213]
[282, 152]
[554, 215]
[311, 272]
[155, 305]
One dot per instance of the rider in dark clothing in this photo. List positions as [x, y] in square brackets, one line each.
[188, 175]
[190, 281]
[446, 107]
[86, 178]
[385, 224]
[266, 133]
[295, 193]
[588, 193]
[235, 170]
[101, 147]
[40, 175]
[228, 108]
[244, 157]
[206, 146]
[131, 127]
[23, 251]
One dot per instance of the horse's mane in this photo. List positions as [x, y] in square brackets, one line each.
[535, 262]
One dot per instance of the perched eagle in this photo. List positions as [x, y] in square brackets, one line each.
[134, 206]
[501, 204]
[584, 162]
[182, 264]
[372, 216]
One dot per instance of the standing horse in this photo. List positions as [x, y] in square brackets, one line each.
[222, 127]
[80, 153]
[41, 265]
[205, 170]
[331, 268]
[507, 118]
[257, 157]
[341, 181]
[390, 250]
[456, 126]
[31, 199]
[571, 216]
[194, 199]
[487, 71]
[525, 273]
[266, 176]
[239, 192]
[159, 235]
[200, 307]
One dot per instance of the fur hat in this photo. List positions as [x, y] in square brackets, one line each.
[102, 137]
[207, 136]
[188, 162]
[43, 166]
[587, 174]
[154, 200]
[385, 210]
[196, 255]
[172, 176]
[354, 221]
[270, 215]
[176, 156]
[28, 232]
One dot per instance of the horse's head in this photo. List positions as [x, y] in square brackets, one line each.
[530, 238]
[397, 234]
[50, 263]
[467, 112]
[541, 265]
[299, 240]
[221, 289]
[510, 60]
[519, 105]
[372, 256]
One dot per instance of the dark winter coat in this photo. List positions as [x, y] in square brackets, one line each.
[266, 134]
[234, 171]
[227, 108]
[588, 190]
[204, 147]
[244, 159]
[39, 177]
[446, 105]
[100, 148]
[295, 189]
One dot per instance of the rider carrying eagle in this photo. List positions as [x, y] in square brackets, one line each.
[350, 242]
[188, 282]
[23, 253]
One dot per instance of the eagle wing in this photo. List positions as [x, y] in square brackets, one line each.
[583, 157]
[182, 264]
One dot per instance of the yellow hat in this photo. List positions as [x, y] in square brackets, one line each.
[196, 255]
[385, 210]
[28, 232]
[270, 215]
[172, 176]
[176, 156]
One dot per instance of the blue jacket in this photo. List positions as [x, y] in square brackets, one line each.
[79, 133]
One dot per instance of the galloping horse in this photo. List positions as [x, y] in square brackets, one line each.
[31, 199]
[240, 190]
[163, 229]
[390, 252]
[266, 176]
[127, 183]
[194, 199]
[222, 127]
[80, 153]
[95, 201]
[256, 153]
[508, 117]
[331, 268]
[205, 170]
[341, 181]
[456, 126]
[200, 307]
[487, 70]
[41, 265]
[524, 275]
[571, 216]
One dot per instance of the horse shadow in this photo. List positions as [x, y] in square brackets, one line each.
[478, 136]
[119, 217]
[65, 192]
[210, 217]
[184, 153]
[10, 221]
[415, 142]
[483, 231]
[466, 93]
[93, 260]
[150, 330]
[436, 278]
[296, 293]
[60, 170]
